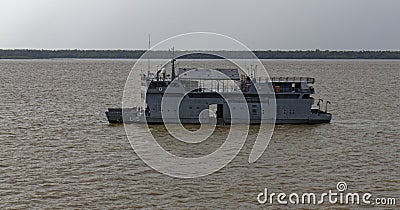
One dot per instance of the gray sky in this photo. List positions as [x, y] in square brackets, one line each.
[259, 24]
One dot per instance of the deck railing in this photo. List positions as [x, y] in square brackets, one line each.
[309, 80]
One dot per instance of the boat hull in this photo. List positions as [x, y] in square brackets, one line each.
[132, 116]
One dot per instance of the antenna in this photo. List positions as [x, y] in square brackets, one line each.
[148, 59]
[149, 41]
[173, 64]
[251, 70]
[173, 52]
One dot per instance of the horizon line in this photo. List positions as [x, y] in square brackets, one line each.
[285, 50]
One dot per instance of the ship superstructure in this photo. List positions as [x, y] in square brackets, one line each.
[202, 89]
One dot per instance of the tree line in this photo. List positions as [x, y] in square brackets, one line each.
[135, 54]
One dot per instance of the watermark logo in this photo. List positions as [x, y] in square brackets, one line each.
[341, 186]
[172, 92]
[338, 196]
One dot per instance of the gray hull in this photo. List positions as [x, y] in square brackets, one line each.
[115, 116]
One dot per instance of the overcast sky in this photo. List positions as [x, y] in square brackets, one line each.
[259, 24]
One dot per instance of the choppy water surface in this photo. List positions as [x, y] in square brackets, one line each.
[58, 150]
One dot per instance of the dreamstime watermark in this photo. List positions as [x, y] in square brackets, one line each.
[338, 196]
[165, 95]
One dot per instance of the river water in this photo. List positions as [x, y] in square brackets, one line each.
[58, 150]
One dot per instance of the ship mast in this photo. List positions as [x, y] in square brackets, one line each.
[148, 60]
[173, 65]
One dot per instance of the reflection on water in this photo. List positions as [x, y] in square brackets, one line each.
[57, 149]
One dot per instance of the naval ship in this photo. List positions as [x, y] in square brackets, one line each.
[293, 96]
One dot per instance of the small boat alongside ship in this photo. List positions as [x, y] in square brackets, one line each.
[293, 96]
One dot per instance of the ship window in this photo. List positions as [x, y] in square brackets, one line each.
[197, 107]
[254, 105]
[254, 111]
[190, 107]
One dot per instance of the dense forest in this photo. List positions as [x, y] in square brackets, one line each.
[135, 54]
